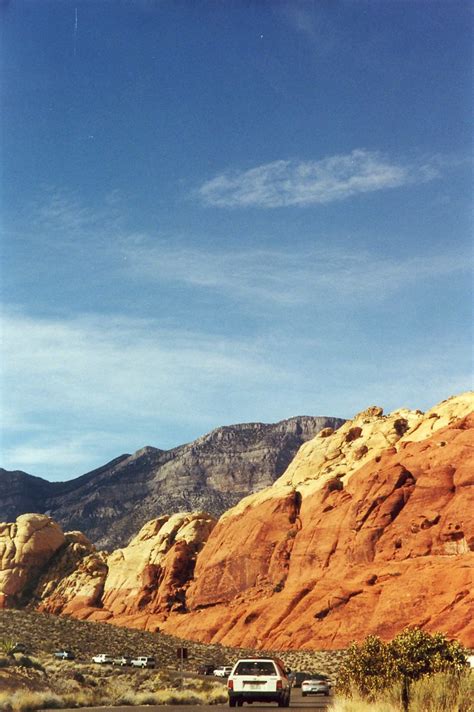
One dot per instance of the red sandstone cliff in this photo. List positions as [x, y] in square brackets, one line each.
[370, 529]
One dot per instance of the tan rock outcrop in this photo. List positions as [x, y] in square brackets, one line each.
[149, 574]
[146, 577]
[26, 546]
[74, 581]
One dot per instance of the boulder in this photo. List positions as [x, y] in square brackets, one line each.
[26, 547]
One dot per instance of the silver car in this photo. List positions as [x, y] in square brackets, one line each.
[316, 686]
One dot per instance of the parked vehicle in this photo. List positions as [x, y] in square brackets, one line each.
[259, 680]
[64, 655]
[143, 662]
[102, 659]
[315, 686]
[223, 671]
[122, 660]
[206, 669]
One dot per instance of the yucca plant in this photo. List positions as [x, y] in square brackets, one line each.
[7, 646]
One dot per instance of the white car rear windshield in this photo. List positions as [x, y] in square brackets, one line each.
[255, 667]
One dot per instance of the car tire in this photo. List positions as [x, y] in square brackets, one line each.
[303, 694]
[232, 703]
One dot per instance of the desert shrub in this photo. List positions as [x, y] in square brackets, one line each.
[366, 669]
[374, 667]
[417, 653]
[5, 662]
[24, 701]
[27, 662]
[173, 697]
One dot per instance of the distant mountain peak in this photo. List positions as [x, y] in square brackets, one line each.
[212, 473]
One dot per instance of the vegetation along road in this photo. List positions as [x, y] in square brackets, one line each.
[297, 703]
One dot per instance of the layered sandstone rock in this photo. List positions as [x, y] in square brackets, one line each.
[353, 550]
[370, 529]
[73, 582]
[26, 546]
[150, 573]
[148, 576]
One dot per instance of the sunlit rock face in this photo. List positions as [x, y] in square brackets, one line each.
[369, 529]
[26, 546]
[149, 576]
[347, 544]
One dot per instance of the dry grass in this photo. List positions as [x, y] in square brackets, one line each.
[111, 695]
[358, 705]
[43, 633]
[442, 692]
[39, 682]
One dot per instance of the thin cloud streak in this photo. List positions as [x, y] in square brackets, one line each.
[289, 183]
[286, 278]
[96, 383]
[96, 365]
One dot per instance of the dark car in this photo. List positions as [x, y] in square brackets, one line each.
[297, 677]
[206, 669]
[64, 655]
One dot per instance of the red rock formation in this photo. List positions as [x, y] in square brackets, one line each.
[369, 530]
[393, 547]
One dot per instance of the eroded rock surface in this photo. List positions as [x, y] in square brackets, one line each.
[372, 548]
[26, 546]
[147, 577]
[370, 529]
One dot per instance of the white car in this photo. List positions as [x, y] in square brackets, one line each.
[315, 686]
[223, 671]
[259, 680]
[144, 661]
[102, 659]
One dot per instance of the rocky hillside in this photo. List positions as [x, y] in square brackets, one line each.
[369, 529]
[213, 473]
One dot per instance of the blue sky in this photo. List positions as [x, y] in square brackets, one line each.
[220, 212]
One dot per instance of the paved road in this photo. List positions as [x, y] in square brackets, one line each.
[297, 703]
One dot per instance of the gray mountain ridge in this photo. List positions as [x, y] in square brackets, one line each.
[212, 473]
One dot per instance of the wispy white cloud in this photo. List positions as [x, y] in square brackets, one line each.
[62, 217]
[284, 277]
[95, 386]
[313, 22]
[80, 375]
[290, 183]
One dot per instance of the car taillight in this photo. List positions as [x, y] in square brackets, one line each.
[230, 684]
[279, 685]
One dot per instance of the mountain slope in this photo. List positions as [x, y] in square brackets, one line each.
[370, 529]
[213, 473]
